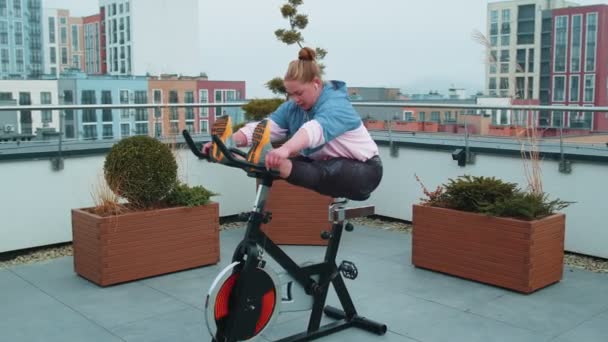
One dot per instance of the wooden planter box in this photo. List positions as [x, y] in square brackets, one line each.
[520, 255]
[406, 126]
[120, 248]
[299, 215]
[374, 124]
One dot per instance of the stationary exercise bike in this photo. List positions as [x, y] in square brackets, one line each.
[247, 296]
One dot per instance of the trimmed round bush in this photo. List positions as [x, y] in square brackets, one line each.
[141, 169]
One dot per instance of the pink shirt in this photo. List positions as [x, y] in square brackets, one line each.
[354, 144]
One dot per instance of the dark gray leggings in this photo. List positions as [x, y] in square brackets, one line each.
[337, 177]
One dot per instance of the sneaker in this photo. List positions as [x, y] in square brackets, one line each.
[223, 129]
[260, 143]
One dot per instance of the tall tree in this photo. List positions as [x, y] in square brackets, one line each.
[292, 35]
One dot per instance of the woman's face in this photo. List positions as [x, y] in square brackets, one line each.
[304, 94]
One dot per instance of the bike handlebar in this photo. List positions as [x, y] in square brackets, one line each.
[251, 169]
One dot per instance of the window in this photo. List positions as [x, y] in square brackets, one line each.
[45, 99]
[3, 32]
[408, 115]
[559, 88]
[204, 126]
[141, 97]
[189, 98]
[225, 95]
[17, 8]
[435, 116]
[575, 44]
[520, 63]
[530, 60]
[531, 87]
[19, 60]
[25, 99]
[63, 38]
[560, 43]
[75, 40]
[520, 87]
[141, 114]
[504, 83]
[558, 118]
[157, 97]
[574, 88]
[106, 113]
[3, 8]
[64, 55]
[76, 61]
[173, 114]
[4, 59]
[492, 83]
[125, 113]
[53, 55]
[89, 116]
[591, 42]
[18, 33]
[52, 30]
[589, 88]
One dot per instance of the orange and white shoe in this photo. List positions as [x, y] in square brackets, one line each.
[260, 143]
[222, 127]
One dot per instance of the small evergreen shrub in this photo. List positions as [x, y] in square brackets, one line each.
[141, 169]
[185, 195]
[491, 196]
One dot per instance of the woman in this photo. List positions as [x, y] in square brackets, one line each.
[329, 150]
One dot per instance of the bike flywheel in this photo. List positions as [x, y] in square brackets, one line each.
[240, 305]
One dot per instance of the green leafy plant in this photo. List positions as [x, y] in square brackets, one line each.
[491, 196]
[189, 196]
[258, 109]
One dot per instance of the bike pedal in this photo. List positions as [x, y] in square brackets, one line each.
[243, 217]
[348, 270]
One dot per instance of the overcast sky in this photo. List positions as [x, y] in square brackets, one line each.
[415, 45]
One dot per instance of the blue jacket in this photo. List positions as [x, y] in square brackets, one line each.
[333, 111]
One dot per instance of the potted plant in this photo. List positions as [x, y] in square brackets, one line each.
[484, 229]
[159, 226]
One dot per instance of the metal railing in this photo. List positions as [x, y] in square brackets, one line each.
[384, 111]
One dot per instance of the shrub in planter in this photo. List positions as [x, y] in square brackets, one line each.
[487, 230]
[165, 226]
[492, 197]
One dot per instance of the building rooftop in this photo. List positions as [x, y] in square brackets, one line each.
[47, 301]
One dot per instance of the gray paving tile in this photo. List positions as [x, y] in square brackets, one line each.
[592, 330]
[554, 309]
[109, 306]
[183, 326]
[28, 314]
[416, 304]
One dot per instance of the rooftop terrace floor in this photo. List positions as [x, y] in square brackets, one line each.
[47, 301]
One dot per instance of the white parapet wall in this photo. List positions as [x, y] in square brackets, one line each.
[35, 201]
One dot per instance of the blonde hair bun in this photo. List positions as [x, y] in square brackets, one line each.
[307, 54]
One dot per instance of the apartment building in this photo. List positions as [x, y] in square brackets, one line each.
[185, 89]
[93, 45]
[514, 30]
[150, 36]
[94, 124]
[21, 52]
[577, 66]
[31, 92]
[63, 41]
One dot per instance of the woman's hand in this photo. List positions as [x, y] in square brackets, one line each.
[274, 157]
[206, 147]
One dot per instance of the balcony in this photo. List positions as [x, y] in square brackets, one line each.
[416, 304]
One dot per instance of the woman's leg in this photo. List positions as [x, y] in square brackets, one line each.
[338, 177]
